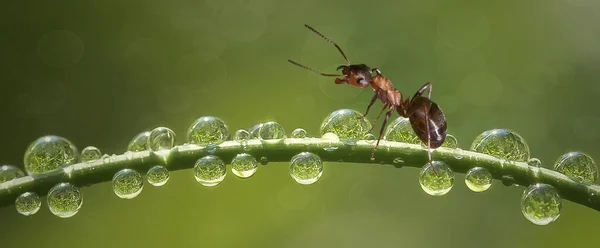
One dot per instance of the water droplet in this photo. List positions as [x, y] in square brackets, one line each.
[64, 200]
[49, 153]
[244, 165]
[502, 143]
[271, 131]
[347, 124]
[210, 170]
[208, 130]
[28, 203]
[254, 131]
[541, 204]
[299, 133]
[241, 135]
[370, 137]
[450, 141]
[401, 131]
[436, 185]
[127, 183]
[161, 138]
[508, 180]
[578, 166]
[10, 172]
[139, 142]
[158, 175]
[535, 162]
[332, 140]
[264, 160]
[90, 154]
[398, 160]
[478, 179]
[306, 168]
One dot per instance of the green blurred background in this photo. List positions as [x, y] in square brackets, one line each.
[99, 72]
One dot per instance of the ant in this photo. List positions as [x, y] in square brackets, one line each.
[425, 116]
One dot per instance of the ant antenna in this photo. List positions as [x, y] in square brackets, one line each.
[313, 70]
[330, 41]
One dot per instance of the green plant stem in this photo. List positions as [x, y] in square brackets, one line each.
[185, 156]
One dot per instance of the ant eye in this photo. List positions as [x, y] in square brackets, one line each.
[360, 81]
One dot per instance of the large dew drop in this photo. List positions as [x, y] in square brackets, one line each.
[244, 165]
[10, 172]
[208, 130]
[271, 132]
[502, 143]
[401, 131]
[28, 203]
[439, 184]
[158, 175]
[139, 142]
[306, 168]
[49, 153]
[347, 124]
[210, 170]
[127, 183]
[578, 166]
[161, 138]
[541, 204]
[64, 200]
[90, 154]
[478, 179]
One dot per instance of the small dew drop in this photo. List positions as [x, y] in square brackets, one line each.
[241, 136]
[157, 175]
[299, 133]
[401, 131]
[332, 142]
[264, 160]
[210, 170]
[208, 130]
[90, 154]
[271, 132]
[436, 185]
[161, 138]
[508, 180]
[578, 166]
[127, 183]
[28, 203]
[347, 124]
[10, 172]
[64, 200]
[502, 143]
[541, 204]
[398, 161]
[370, 138]
[478, 179]
[254, 131]
[244, 165]
[306, 168]
[450, 142]
[139, 142]
[49, 153]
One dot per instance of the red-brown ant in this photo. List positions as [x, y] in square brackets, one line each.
[426, 117]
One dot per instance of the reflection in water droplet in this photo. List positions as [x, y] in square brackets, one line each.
[208, 130]
[210, 170]
[578, 166]
[436, 185]
[139, 142]
[10, 172]
[127, 183]
[347, 124]
[299, 133]
[541, 204]
[502, 143]
[28, 203]
[478, 179]
[271, 132]
[333, 142]
[158, 175]
[306, 168]
[90, 154]
[60, 48]
[244, 165]
[161, 138]
[401, 131]
[64, 200]
[49, 153]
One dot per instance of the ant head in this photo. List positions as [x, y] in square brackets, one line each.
[355, 75]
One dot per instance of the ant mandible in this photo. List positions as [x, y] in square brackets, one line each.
[425, 116]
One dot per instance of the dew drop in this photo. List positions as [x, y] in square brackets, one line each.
[28, 203]
[299, 133]
[502, 143]
[210, 170]
[254, 131]
[578, 166]
[158, 175]
[478, 179]
[508, 180]
[10, 172]
[306, 168]
[332, 142]
[264, 160]
[370, 137]
[244, 165]
[139, 142]
[398, 160]
[208, 130]
[271, 132]
[90, 154]
[161, 138]
[241, 135]
[401, 131]
[127, 183]
[436, 185]
[347, 124]
[49, 153]
[450, 142]
[535, 162]
[64, 200]
[541, 204]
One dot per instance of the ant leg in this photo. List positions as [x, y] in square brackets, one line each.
[370, 105]
[429, 139]
[387, 117]
[379, 115]
[423, 88]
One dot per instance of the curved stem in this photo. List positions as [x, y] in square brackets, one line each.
[185, 156]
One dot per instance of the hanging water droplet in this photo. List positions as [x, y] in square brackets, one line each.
[398, 161]
[241, 136]
[254, 131]
[502, 143]
[331, 140]
[507, 180]
[10, 172]
[478, 179]
[578, 166]
[299, 133]
[264, 160]
[158, 175]
[139, 142]
[450, 141]
[271, 132]
[28, 203]
[210, 170]
[208, 130]
[347, 124]
[90, 154]
[161, 138]
[49, 153]
[127, 183]
[306, 168]
[244, 165]
[436, 185]
[64, 200]
[541, 204]
[401, 131]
